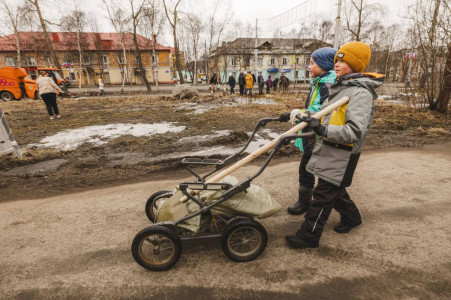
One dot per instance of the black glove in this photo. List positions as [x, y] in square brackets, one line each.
[285, 117]
[316, 126]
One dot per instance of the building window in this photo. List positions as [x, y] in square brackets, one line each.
[105, 60]
[72, 76]
[296, 74]
[284, 61]
[10, 61]
[86, 60]
[297, 60]
[247, 61]
[260, 60]
[234, 61]
[307, 61]
[121, 59]
[31, 61]
[272, 61]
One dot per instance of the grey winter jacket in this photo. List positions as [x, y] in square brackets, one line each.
[335, 156]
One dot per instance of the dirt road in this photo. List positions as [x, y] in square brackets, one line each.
[78, 246]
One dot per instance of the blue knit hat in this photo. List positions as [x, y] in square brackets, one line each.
[324, 58]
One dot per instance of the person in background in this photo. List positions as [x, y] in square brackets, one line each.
[231, 83]
[268, 84]
[249, 83]
[213, 82]
[284, 81]
[261, 84]
[48, 89]
[101, 87]
[275, 84]
[241, 83]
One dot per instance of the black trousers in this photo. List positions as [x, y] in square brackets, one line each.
[241, 89]
[232, 90]
[260, 88]
[305, 178]
[325, 197]
[50, 103]
[268, 89]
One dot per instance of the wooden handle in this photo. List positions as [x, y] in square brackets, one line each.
[270, 145]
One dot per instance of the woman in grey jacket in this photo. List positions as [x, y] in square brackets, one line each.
[341, 137]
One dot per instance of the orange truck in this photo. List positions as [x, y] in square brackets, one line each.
[14, 85]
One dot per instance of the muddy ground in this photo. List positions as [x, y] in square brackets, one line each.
[77, 246]
[215, 124]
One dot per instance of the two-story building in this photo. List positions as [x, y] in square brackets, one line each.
[102, 56]
[274, 57]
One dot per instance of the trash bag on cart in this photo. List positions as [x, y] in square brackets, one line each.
[256, 202]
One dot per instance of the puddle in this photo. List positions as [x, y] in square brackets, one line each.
[98, 135]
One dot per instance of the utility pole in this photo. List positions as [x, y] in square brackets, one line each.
[337, 26]
[255, 51]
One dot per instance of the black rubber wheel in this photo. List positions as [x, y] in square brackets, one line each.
[152, 203]
[244, 240]
[6, 96]
[156, 248]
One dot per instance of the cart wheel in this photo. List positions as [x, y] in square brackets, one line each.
[156, 248]
[152, 203]
[244, 240]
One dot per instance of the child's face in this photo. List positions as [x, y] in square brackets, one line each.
[314, 69]
[341, 68]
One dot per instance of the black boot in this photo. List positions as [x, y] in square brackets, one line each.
[303, 203]
[294, 242]
[342, 227]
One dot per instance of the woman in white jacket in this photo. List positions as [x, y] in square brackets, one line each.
[47, 90]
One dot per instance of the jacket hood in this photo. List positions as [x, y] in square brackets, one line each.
[370, 84]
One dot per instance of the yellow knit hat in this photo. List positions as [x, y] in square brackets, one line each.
[355, 54]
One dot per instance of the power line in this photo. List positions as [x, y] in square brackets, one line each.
[293, 15]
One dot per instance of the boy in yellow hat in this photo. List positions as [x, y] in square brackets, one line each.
[342, 134]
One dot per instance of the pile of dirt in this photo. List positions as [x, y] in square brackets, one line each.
[130, 159]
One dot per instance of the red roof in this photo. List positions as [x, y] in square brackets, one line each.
[67, 41]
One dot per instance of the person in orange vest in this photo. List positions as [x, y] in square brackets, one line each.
[249, 83]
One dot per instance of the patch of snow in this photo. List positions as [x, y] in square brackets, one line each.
[202, 108]
[98, 135]
[261, 101]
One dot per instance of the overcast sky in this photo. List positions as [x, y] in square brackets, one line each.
[244, 10]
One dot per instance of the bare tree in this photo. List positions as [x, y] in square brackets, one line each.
[431, 23]
[443, 97]
[94, 26]
[119, 22]
[15, 14]
[173, 22]
[194, 25]
[154, 21]
[75, 23]
[136, 14]
[217, 22]
[358, 14]
[43, 22]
